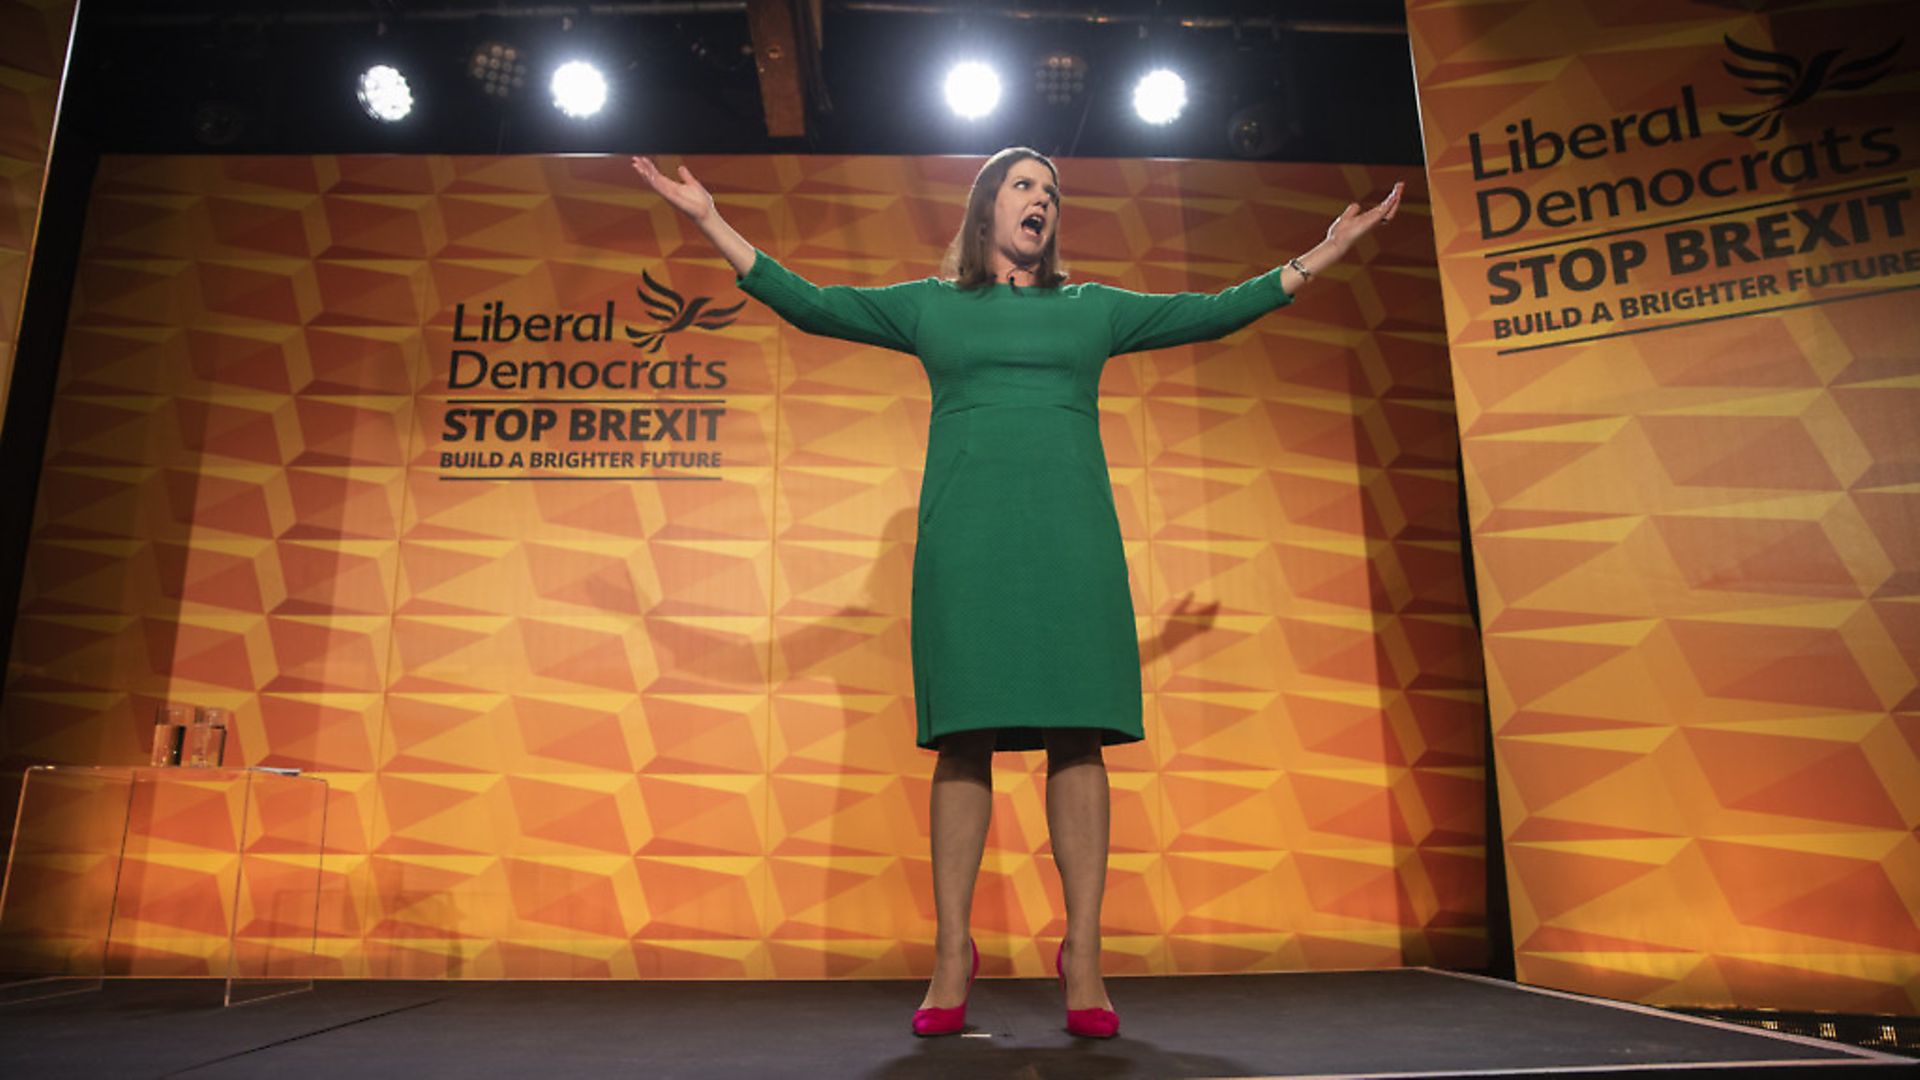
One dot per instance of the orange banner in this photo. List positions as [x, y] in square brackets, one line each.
[1680, 252]
[476, 486]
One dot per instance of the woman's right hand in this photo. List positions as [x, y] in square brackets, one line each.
[685, 194]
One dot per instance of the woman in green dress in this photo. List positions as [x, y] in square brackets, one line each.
[1022, 625]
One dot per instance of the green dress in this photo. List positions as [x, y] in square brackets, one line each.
[1021, 616]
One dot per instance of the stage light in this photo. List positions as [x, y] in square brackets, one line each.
[973, 89]
[579, 90]
[1256, 131]
[1060, 78]
[1159, 96]
[498, 68]
[384, 94]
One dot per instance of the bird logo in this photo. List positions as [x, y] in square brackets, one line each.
[1783, 78]
[675, 313]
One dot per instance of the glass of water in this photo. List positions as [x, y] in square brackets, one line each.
[209, 739]
[169, 734]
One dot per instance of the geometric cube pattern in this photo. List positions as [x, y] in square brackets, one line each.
[1698, 547]
[625, 727]
[33, 54]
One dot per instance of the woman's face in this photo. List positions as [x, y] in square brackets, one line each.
[1026, 212]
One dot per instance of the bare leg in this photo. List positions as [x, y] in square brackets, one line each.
[961, 808]
[1077, 816]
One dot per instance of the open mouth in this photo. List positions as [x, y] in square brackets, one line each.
[1034, 223]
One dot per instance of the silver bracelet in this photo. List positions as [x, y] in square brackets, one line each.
[1299, 269]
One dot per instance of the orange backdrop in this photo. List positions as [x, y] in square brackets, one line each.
[606, 719]
[1680, 253]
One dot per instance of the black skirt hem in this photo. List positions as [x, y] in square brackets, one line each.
[1033, 738]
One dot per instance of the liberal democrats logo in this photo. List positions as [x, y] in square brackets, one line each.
[675, 313]
[1788, 82]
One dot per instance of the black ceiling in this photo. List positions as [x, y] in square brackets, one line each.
[1324, 80]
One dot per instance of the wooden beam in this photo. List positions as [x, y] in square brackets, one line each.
[776, 55]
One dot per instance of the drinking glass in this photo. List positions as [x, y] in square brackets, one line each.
[169, 734]
[209, 742]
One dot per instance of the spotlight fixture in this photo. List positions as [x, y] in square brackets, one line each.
[384, 94]
[1160, 96]
[973, 90]
[1060, 78]
[1256, 131]
[579, 90]
[498, 68]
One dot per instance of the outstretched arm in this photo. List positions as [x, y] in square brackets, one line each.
[886, 317]
[1352, 224]
[1142, 321]
[690, 198]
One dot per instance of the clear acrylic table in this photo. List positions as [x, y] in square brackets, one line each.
[127, 871]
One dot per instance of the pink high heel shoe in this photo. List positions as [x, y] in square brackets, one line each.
[1084, 1023]
[947, 1021]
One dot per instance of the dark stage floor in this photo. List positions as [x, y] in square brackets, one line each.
[1378, 1023]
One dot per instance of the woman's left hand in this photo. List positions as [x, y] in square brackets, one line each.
[1355, 223]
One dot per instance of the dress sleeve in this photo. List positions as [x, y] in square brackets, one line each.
[1141, 321]
[888, 317]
